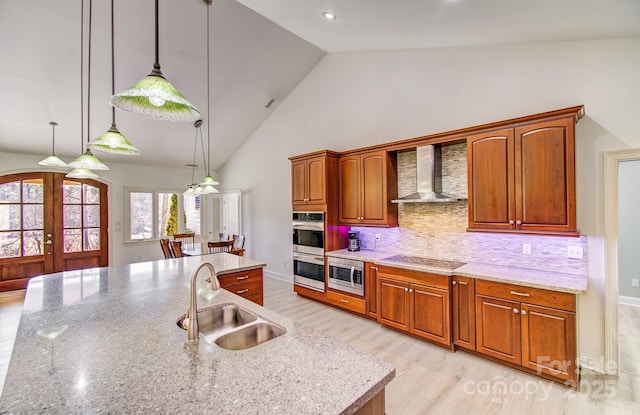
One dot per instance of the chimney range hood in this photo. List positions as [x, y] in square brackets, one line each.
[428, 160]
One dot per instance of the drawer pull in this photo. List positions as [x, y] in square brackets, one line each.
[515, 310]
[242, 291]
[342, 300]
[242, 278]
[520, 294]
[406, 289]
[524, 312]
[454, 282]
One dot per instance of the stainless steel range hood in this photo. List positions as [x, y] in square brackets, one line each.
[428, 164]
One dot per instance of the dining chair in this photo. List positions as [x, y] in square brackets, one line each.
[238, 245]
[223, 236]
[188, 238]
[166, 249]
[220, 246]
[177, 249]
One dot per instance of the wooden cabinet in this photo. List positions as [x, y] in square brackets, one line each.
[247, 284]
[311, 176]
[415, 302]
[371, 289]
[529, 327]
[368, 183]
[523, 178]
[463, 312]
[346, 301]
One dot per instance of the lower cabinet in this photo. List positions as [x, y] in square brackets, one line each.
[530, 327]
[415, 302]
[346, 301]
[247, 284]
[463, 310]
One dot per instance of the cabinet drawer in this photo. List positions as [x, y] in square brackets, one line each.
[246, 290]
[414, 277]
[537, 296]
[239, 278]
[346, 301]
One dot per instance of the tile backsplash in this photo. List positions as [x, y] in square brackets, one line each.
[438, 230]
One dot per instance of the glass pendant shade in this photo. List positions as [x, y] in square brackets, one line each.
[88, 161]
[209, 181]
[81, 174]
[209, 190]
[52, 161]
[189, 191]
[155, 97]
[198, 190]
[114, 142]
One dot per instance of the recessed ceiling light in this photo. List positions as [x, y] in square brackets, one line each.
[329, 16]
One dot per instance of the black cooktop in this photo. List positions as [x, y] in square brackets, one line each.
[428, 262]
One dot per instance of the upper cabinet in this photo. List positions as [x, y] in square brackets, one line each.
[522, 179]
[309, 177]
[368, 182]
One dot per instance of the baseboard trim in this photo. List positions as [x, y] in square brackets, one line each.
[632, 301]
[278, 276]
[592, 363]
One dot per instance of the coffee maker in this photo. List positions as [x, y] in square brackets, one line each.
[354, 241]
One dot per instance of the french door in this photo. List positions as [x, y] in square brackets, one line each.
[49, 223]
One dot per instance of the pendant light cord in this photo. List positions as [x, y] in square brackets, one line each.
[81, 76]
[89, 79]
[208, 97]
[156, 65]
[113, 68]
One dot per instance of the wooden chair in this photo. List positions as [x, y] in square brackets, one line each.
[185, 238]
[177, 249]
[220, 246]
[238, 245]
[166, 249]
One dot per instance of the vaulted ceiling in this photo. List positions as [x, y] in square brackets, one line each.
[260, 50]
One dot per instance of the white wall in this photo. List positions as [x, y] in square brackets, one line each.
[118, 177]
[629, 227]
[352, 100]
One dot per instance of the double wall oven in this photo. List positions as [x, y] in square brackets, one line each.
[308, 249]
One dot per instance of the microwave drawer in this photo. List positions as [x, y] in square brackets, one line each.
[345, 301]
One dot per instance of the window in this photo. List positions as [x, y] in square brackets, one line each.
[81, 217]
[154, 214]
[21, 218]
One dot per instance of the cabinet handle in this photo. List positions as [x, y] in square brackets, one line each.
[242, 291]
[242, 278]
[410, 290]
[515, 310]
[519, 222]
[520, 294]
[406, 289]
[511, 222]
[454, 282]
[524, 312]
[342, 300]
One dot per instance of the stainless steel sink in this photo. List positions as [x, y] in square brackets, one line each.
[233, 327]
[249, 336]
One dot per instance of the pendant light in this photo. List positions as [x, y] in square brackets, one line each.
[53, 160]
[85, 163]
[154, 96]
[208, 182]
[113, 141]
[191, 189]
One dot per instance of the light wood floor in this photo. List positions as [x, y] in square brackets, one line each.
[430, 380]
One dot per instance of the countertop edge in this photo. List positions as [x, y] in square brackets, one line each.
[367, 396]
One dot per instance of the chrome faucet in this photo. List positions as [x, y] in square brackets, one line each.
[191, 318]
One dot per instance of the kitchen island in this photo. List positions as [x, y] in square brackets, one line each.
[106, 340]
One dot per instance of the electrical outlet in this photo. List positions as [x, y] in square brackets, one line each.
[526, 249]
[635, 282]
[377, 236]
[574, 252]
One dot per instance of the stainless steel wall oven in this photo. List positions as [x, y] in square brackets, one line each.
[308, 250]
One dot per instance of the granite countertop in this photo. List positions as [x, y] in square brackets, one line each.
[557, 281]
[106, 340]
